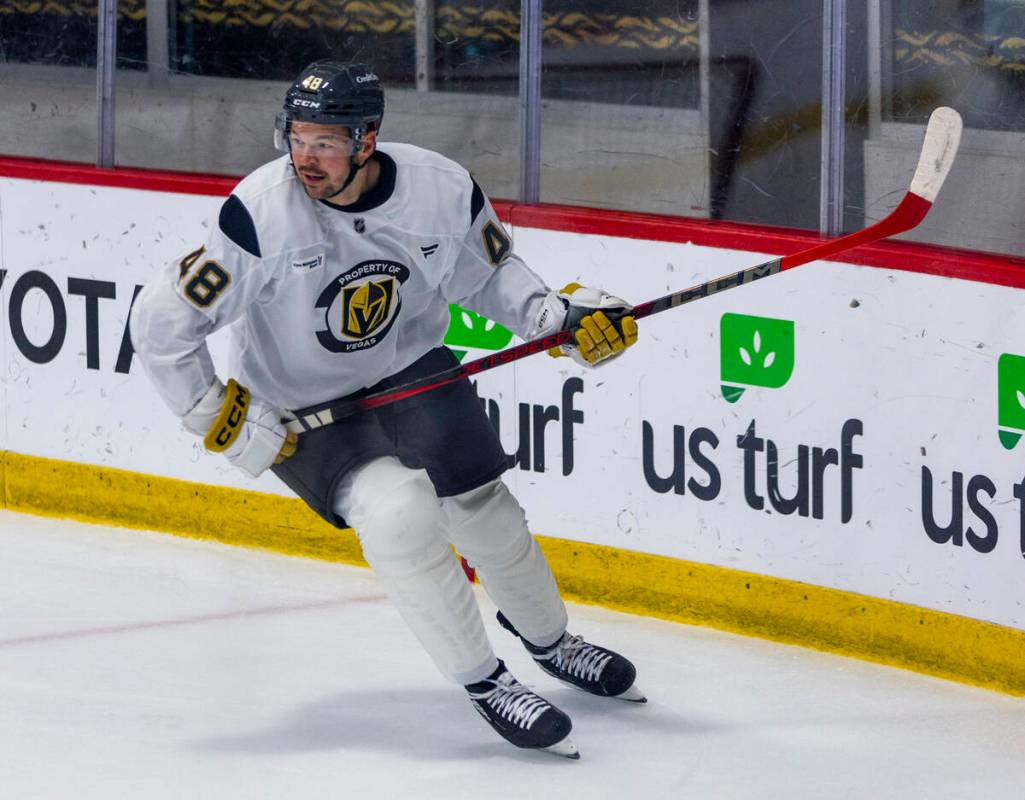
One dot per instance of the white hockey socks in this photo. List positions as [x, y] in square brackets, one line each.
[398, 518]
[487, 526]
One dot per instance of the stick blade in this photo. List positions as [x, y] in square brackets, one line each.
[942, 137]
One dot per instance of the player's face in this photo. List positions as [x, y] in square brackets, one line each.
[320, 154]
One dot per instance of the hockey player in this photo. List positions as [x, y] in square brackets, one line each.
[336, 264]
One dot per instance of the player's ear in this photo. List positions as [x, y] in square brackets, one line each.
[369, 144]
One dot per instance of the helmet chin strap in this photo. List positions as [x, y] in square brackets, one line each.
[354, 167]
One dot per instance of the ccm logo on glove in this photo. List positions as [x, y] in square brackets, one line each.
[250, 433]
[228, 424]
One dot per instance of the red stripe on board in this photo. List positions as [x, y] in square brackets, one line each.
[905, 256]
[121, 177]
[973, 265]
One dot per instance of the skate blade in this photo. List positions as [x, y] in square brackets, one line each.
[632, 695]
[565, 748]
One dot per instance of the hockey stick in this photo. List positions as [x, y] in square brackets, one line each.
[942, 136]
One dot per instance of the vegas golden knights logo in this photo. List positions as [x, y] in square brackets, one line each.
[360, 305]
[365, 307]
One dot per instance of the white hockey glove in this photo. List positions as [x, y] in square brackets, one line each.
[251, 434]
[603, 327]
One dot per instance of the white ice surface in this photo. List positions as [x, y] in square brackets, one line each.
[138, 665]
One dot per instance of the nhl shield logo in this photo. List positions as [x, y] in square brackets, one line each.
[365, 307]
[361, 305]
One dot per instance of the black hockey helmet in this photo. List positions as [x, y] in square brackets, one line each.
[332, 93]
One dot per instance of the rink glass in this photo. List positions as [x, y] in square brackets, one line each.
[691, 108]
[916, 55]
[48, 80]
[449, 73]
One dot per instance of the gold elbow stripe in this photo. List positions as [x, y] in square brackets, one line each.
[228, 425]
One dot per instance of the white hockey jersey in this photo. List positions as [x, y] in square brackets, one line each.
[325, 299]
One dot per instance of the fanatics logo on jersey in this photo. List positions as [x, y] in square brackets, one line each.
[308, 264]
[361, 305]
[429, 250]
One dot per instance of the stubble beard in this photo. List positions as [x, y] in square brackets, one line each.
[324, 190]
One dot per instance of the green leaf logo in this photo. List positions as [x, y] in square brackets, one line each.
[1010, 399]
[754, 351]
[467, 329]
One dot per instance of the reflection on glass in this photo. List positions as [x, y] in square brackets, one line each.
[64, 33]
[270, 40]
[644, 54]
[48, 83]
[622, 121]
[765, 110]
[476, 47]
[209, 102]
[967, 55]
[971, 56]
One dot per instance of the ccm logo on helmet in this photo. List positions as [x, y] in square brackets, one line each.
[306, 103]
[370, 76]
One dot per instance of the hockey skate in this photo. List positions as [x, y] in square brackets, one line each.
[584, 666]
[520, 716]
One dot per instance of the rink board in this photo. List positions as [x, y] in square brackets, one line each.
[838, 426]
